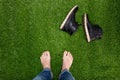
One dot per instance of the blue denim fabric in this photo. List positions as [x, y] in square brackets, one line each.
[66, 75]
[46, 74]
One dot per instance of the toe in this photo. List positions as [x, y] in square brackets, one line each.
[65, 53]
[69, 54]
[47, 53]
[44, 53]
[41, 56]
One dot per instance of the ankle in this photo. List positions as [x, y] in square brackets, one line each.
[47, 67]
[64, 68]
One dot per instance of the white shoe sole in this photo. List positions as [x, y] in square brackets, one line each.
[86, 28]
[62, 25]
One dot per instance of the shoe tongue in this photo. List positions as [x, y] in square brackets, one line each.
[73, 23]
[73, 26]
[97, 31]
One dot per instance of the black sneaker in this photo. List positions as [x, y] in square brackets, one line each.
[92, 31]
[69, 25]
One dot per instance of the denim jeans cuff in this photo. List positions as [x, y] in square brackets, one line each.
[46, 69]
[69, 73]
[65, 70]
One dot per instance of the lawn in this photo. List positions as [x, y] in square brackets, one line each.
[28, 27]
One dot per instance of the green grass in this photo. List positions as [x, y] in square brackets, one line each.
[28, 27]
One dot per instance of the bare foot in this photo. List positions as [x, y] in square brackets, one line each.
[67, 60]
[45, 59]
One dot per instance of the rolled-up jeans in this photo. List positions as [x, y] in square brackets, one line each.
[46, 74]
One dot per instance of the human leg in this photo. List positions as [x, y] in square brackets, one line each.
[46, 74]
[66, 75]
[67, 62]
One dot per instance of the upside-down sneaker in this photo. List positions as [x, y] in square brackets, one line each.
[92, 32]
[69, 24]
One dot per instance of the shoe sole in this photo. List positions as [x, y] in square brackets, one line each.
[62, 25]
[86, 28]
